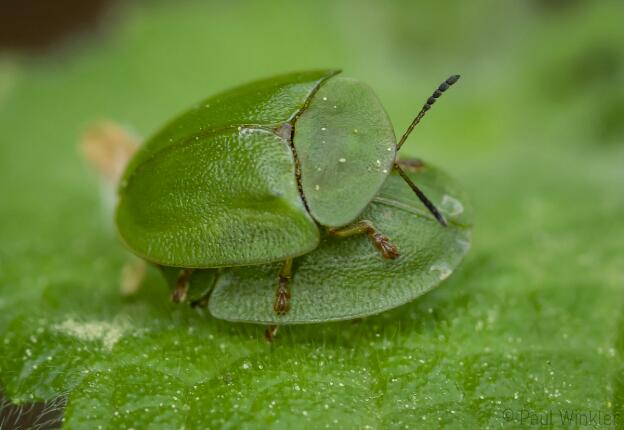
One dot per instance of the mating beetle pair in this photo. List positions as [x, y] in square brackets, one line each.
[260, 173]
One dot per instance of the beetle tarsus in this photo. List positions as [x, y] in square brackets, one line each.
[411, 164]
[270, 333]
[201, 302]
[178, 295]
[382, 242]
[282, 296]
[282, 299]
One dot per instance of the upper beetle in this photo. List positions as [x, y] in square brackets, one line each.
[248, 176]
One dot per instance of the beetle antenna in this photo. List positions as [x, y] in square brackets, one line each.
[430, 206]
[430, 101]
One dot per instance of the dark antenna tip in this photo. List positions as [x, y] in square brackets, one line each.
[430, 101]
[454, 78]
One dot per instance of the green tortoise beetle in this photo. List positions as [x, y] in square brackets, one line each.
[248, 176]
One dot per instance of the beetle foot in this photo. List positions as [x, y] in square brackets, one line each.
[200, 303]
[282, 299]
[270, 333]
[411, 164]
[180, 291]
[178, 295]
[382, 242]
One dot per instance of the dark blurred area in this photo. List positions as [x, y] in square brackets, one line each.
[543, 78]
[33, 416]
[36, 26]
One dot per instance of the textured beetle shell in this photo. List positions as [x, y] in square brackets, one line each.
[346, 147]
[218, 186]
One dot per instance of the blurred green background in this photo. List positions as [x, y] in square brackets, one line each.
[534, 130]
[542, 80]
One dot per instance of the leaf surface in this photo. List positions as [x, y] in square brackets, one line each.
[532, 320]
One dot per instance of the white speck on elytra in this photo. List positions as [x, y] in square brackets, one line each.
[443, 269]
[323, 128]
[106, 332]
[317, 187]
[325, 99]
[342, 160]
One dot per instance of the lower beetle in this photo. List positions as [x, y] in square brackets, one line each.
[257, 174]
[345, 278]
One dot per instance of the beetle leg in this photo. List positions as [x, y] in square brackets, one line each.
[182, 285]
[380, 240]
[202, 302]
[410, 164]
[270, 333]
[282, 296]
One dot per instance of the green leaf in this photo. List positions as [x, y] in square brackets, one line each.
[347, 278]
[531, 321]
